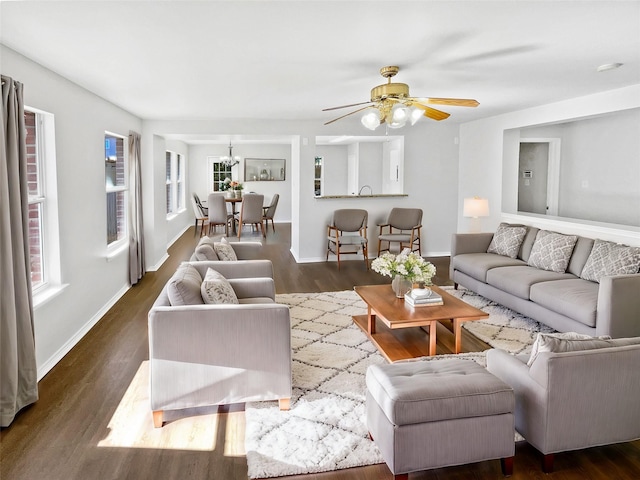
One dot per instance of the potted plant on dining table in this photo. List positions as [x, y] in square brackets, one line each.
[237, 189]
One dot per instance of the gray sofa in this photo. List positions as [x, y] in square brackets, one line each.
[206, 249]
[560, 299]
[570, 400]
[212, 354]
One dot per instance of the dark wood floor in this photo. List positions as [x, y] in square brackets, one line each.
[56, 438]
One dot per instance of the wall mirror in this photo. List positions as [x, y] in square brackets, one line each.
[359, 165]
[585, 169]
[264, 169]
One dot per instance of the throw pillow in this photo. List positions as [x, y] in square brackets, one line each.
[507, 240]
[565, 342]
[552, 251]
[216, 289]
[608, 258]
[225, 252]
[183, 287]
[205, 252]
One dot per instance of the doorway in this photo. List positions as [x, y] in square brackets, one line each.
[538, 176]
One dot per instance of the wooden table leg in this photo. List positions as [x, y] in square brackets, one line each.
[432, 338]
[371, 321]
[457, 332]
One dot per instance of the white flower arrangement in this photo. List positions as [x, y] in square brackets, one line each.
[407, 264]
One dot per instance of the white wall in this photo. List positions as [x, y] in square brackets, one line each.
[489, 157]
[94, 281]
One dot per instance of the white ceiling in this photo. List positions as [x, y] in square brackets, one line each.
[290, 59]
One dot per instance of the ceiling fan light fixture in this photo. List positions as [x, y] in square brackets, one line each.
[415, 115]
[399, 116]
[371, 119]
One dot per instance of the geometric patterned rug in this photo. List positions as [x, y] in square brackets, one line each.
[325, 428]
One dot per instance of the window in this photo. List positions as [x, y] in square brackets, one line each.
[175, 182]
[317, 177]
[116, 187]
[44, 253]
[218, 172]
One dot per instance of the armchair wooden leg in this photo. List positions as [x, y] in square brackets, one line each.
[507, 466]
[157, 418]
[401, 476]
[455, 286]
[284, 403]
[547, 463]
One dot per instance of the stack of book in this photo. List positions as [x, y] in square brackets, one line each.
[422, 297]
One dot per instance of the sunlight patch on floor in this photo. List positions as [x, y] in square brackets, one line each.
[191, 429]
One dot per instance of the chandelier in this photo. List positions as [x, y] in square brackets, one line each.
[230, 160]
[393, 113]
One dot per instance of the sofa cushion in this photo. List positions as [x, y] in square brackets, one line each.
[507, 240]
[517, 280]
[205, 252]
[476, 265]
[216, 289]
[576, 298]
[608, 258]
[579, 256]
[225, 251]
[527, 243]
[552, 251]
[573, 342]
[183, 287]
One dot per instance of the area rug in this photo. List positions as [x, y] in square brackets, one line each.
[325, 429]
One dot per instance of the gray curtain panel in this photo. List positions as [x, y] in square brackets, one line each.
[18, 369]
[136, 231]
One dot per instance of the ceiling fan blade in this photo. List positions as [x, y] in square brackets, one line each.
[453, 102]
[432, 112]
[345, 106]
[347, 114]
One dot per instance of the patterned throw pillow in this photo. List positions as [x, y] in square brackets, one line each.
[608, 258]
[216, 289]
[507, 240]
[225, 252]
[184, 286]
[566, 342]
[552, 251]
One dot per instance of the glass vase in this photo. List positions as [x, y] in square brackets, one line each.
[400, 286]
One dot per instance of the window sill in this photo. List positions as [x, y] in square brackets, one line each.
[114, 251]
[46, 294]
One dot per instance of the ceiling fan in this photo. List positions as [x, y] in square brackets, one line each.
[391, 104]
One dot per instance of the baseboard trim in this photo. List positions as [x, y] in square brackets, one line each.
[73, 341]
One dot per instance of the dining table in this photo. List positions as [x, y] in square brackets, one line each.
[233, 201]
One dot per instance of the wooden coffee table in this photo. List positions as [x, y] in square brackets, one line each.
[382, 304]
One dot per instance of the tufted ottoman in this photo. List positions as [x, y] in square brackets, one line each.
[439, 413]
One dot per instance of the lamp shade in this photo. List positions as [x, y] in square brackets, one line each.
[475, 207]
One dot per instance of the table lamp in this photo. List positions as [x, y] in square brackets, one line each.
[475, 208]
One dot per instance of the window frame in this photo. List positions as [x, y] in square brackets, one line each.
[123, 240]
[217, 168]
[47, 201]
[175, 183]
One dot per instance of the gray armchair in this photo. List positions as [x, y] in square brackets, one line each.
[203, 354]
[347, 234]
[574, 400]
[403, 227]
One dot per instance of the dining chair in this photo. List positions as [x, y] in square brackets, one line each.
[201, 218]
[199, 203]
[403, 227]
[347, 234]
[270, 211]
[251, 212]
[218, 214]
